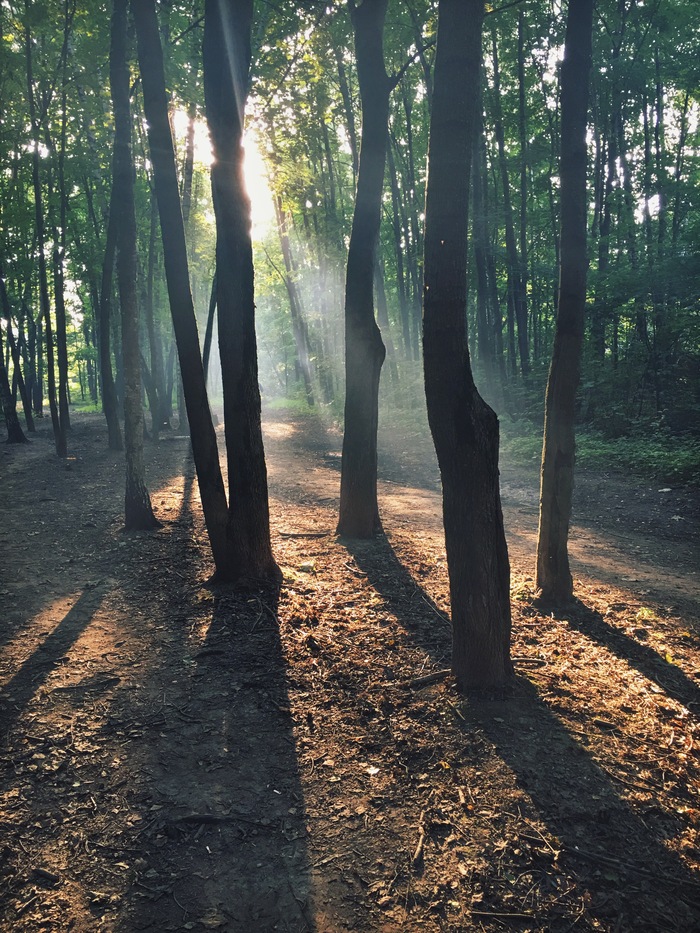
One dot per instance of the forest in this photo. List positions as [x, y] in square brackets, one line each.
[350, 498]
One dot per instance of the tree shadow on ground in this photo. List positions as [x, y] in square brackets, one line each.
[643, 658]
[37, 669]
[620, 864]
[232, 829]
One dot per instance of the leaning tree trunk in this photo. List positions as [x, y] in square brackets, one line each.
[364, 348]
[557, 481]
[464, 428]
[227, 50]
[203, 436]
[137, 502]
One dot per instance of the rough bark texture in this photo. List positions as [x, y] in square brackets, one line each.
[364, 348]
[557, 479]
[204, 444]
[227, 39]
[464, 428]
[138, 513]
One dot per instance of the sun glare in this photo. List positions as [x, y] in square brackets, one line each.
[255, 171]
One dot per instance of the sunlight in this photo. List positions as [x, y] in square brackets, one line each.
[257, 182]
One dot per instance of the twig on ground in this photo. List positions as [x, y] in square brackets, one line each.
[428, 679]
[417, 859]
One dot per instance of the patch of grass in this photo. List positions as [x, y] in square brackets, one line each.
[671, 459]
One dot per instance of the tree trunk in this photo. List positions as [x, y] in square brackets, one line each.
[557, 481]
[58, 433]
[364, 349]
[227, 51]
[137, 502]
[6, 311]
[110, 402]
[15, 434]
[464, 428]
[517, 306]
[204, 444]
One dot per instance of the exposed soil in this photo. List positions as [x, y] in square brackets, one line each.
[181, 757]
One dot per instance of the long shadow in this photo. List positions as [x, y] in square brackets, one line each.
[645, 659]
[624, 873]
[230, 800]
[36, 670]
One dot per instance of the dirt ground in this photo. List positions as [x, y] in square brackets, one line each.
[180, 757]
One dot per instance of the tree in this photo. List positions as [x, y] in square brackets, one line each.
[557, 479]
[58, 428]
[227, 53]
[137, 502]
[464, 428]
[364, 348]
[203, 436]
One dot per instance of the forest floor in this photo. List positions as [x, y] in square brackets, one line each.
[176, 756]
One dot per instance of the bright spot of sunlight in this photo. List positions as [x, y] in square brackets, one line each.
[255, 171]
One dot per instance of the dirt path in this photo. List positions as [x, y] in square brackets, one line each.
[181, 758]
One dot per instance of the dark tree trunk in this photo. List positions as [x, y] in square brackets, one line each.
[110, 402]
[15, 434]
[464, 428]
[58, 433]
[204, 444]
[364, 349]
[227, 51]
[553, 573]
[517, 304]
[137, 502]
[153, 328]
[6, 312]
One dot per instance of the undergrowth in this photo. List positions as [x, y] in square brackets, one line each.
[669, 458]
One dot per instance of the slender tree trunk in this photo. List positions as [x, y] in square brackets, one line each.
[553, 573]
[464, 428]
[58, 433]
[364, 349]
[299, 328]
[227, 51]
[516, 286]
[6, 312]
[15, 434]
[204, 444]
[137, 502]
[110, 402]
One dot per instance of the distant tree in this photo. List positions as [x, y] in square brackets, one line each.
[553, 577]
[464, 428]
[137, 502]
[364, 348]
[227, 53]
[59, 432]
[15, 434]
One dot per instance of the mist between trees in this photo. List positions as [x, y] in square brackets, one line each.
[336, 101]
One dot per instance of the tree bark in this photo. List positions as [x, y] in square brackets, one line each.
[364, 348]
[138, 513]
[202, 433]
[553, 576]
[110, 402]
[227, 52]
[464, 428]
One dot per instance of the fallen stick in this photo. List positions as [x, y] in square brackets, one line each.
[428, 679]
